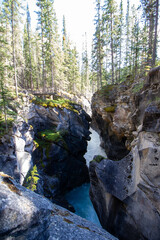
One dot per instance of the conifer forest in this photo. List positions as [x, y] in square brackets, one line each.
[125, 46]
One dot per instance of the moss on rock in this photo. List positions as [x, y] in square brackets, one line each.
[110, 108]
[56, 103]
[98, 158]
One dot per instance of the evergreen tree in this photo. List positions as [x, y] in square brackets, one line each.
[3, 67]
[12, 13]
[97, 50]
[27, 51]
[150, 10]
[110, 19]
[49, 42]
[155, 34]
[85, 68]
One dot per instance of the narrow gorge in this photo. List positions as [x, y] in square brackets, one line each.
[44, 156]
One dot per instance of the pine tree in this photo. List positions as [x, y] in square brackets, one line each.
[49, 43]
[27, 46]
[27, 51]
[3, 69]
[150, 10]
[97, 50]
[155, 34]
[110, 19]
[120, 37]
[85, 68]
[12, 13]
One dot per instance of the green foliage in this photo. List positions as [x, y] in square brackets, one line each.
[138, 87]
[98, 158]
[9, 122]
[32, 179]
[45, 139]
[50, 136]
[106, 91]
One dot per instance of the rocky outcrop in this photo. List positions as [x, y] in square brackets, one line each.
[27, 215]
[16, 150]
[58, 156]
[60, 162]
[126, 193]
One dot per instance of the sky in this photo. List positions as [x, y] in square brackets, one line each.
[79, 15]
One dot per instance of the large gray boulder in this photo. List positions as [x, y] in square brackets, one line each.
[29, 216]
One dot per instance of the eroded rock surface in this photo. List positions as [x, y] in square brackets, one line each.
[60, 163]
[29, 216]
[16, 150]
[126, 193]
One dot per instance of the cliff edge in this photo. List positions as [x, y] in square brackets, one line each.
[125, 188]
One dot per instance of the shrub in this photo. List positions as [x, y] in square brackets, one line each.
[32, 179]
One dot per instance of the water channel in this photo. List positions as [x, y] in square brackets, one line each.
[79, 197]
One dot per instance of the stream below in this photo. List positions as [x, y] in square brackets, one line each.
[79, 197]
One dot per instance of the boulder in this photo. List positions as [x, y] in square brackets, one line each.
[27, 215]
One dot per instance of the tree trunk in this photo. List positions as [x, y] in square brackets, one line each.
[112, 56]
[13, 50]
[150, 44]
[155, 35]
[52, 73]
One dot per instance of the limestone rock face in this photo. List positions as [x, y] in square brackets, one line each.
[16, 150]
[126, 193]
[29, 216]
[61, 165]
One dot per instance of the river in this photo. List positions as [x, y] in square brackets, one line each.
[79, 197]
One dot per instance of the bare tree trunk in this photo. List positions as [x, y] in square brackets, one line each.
[13, 51]
[52, 73]
[31, 80]
[112, 56]
[150, 45]
[155, 35]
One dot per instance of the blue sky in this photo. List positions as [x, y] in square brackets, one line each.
[79, 16]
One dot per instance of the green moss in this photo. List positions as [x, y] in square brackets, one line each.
[58, 103]
[50, 136]
[46, 137]
[110, 109]
[98, 158]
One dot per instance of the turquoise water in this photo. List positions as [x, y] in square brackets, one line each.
[79, 199]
